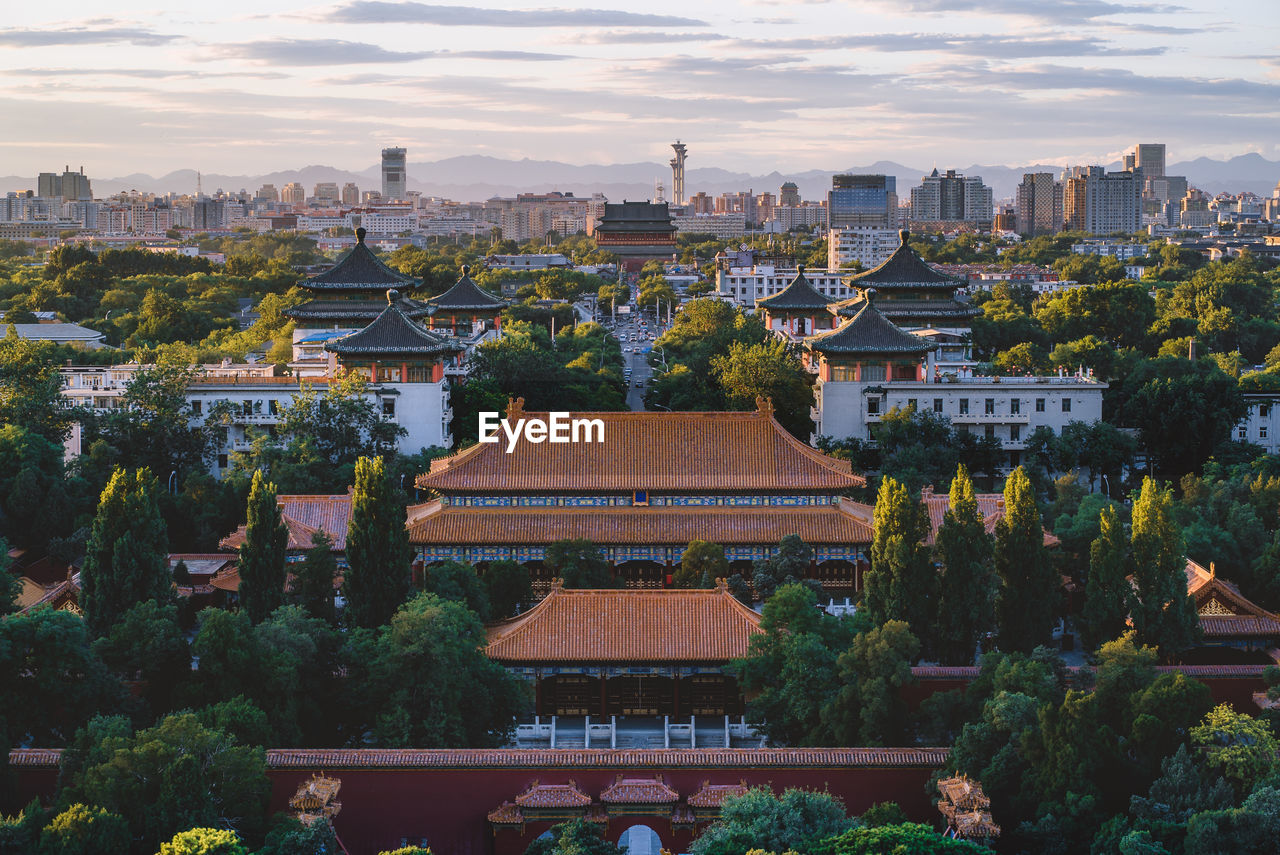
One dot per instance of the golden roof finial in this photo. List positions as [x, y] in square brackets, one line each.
[764, 406]
[1213, 570]
[515, 408]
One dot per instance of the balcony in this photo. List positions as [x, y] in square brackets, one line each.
[991, 419]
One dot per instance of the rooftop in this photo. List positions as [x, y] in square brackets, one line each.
[466, 295]
[359, 270]
[654, 451]
[868, 333]
[331, 311]
[304, 515]
[1224, 612]
[393, 333]
[798, 295]
[696, 625]
[903, 269]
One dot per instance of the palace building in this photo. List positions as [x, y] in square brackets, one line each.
[657, 482]
[636, 232]
[465, 308]
[798, 310]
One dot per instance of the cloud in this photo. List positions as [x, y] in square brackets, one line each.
[642, 37]
[317, 52]
[20, 38]
[462, 16]
[983, 45]
[143, 73]
[1057, 11]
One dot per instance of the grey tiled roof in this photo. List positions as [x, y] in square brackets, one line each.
[905, 309]
[867, 332]
[466, 295]
[798, 295]
[352, 310]
[360, 270]
[903, 269]
[393, 333]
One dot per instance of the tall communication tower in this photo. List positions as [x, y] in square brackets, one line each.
[677, 173]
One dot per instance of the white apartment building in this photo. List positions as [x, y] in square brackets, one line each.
[1262, 424]
[722, 226]
[745, 285]
[1116, 249]
[865, 245]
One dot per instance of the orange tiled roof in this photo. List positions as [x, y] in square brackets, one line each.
[506, 814]
[990, 505]
[1224, 612]
[660, 452]
[553, 796]
[304, 516]
[434, 523]
[713, 795]
[626, 625]
[639, 791]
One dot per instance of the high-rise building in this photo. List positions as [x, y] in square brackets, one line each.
[951, 198]
[1194, 211]
[1149, 157]
[789, 195]
[326, 191]
[1038, 204]
[293, 194]
[701, 203]
[1101, 202]
[69, 186]
[395, 180]
[350, 194]
[267, 193]
[677, 172]
[862, 200]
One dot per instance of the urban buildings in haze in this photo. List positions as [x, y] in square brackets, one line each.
[950, 200]
[394, 177]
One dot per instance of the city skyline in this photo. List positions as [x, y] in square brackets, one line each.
[769, 84]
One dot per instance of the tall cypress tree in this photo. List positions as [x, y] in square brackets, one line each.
[967, 588]
[901, 584]
[262, 555]
[126, 557]
[1164, 614]
[1108, 596]
[1027, 603]
[378, 554]
[313, 579]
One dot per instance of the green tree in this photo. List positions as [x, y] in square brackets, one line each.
[1027, 603]
[204, 841]
[262, 555]
[378, 553]
[1164, 614]
[313, 579]
[458, 582]
[84, 830]
[36, 498]
[147, 644]
[126, 558]
[423, 680]
[291, 837]
[31, 387]
[20, 833]
[769, 370]
[1239, 747]
[908, 838]
[967, 587]
[575, 837]
[10, 584]
[901, 584]
[701, 564]
[789, 565]
[1107, 592]
[508, 586]
[174, 776]
[870, 709]
[152, 427]
[797, 821]
[579, 563]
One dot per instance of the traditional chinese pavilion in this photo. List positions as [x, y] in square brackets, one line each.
[797, 310]
[637, 232]
[464, 307]
[868, 347]
[911, 293]
[352, 292]
[1234, 629]
[629, 652]
[657, 482]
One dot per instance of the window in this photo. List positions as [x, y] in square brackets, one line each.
[1039, 405]
[937, 405]
[246, 408]
[197, 407]
[911, 404]
[388, 406]
[1015, 405]
[1243, 432]
[419, 374]
[990, 406]
[640, 497]
[843, 374]
[905, 372]
[873, 373]
[222, 461]
[873, 406]
[273, 407]
[1066, 405]
[990, 432]
[1264, 411]
[1262, 431]
[1015, 433]
[964, 406]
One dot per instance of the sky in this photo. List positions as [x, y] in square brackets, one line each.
[240, 87]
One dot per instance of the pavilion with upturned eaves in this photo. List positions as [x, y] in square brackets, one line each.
[657, 481]
[797, 310]
[465, 307]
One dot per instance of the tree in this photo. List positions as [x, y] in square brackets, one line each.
[31, 387]
[908, 838]
[152, 427]
[796, 821]
[870, 709]
[1027, 602]
[1164, 614]
[967, 587]
[579, 563]
[174, 776]
[35, 504]
[341, 425]
[147, 644]
[1107, 592]
[788, 566]
[313, 579]
[769, 370]
[422, 680]
[508, 587]
[10, 584]
[575, 837]
[701, 564]
[262, 555]
[204, 841]
[84, 830]
[378, 553]
[458, 582]
[901, 584]
[126, 558]
[1239, 747]
[291, 837]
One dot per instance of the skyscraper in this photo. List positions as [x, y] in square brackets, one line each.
[862, 200]
[1101, 202]
[1149, 157]
[677, 172]
[951, 197]
[1038, 204]
[293, 193]
[394, 178]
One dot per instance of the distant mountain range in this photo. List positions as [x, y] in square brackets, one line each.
[478, 177]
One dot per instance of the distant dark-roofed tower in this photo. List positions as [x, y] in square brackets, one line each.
[637, 232]
[677, 172]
